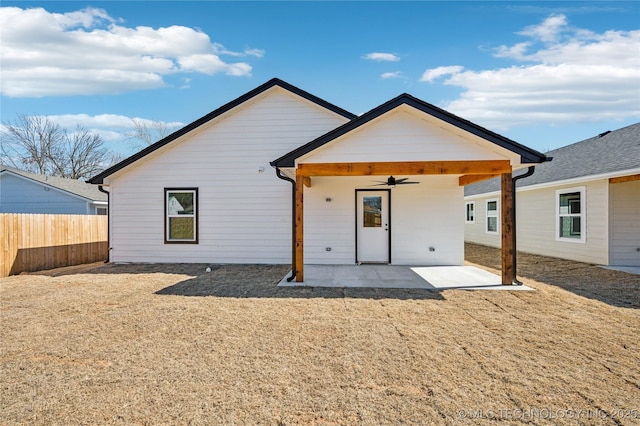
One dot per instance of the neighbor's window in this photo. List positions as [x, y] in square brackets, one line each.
[470, 208]
[570, 209]
[181, 211]
[492, 216]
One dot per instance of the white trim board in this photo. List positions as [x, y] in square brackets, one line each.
[578, 180]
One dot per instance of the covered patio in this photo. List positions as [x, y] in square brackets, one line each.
[468, 171]
[422, 144]
[394, 276]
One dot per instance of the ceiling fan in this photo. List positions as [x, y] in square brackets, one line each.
[391, 181]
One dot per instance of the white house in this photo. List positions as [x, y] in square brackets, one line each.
[384, 187]
[584, 205]
[24, 192]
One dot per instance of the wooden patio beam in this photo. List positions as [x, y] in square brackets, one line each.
[468, 179]
[622, 179]
[405, 168]
[508, 269]
[300, 228]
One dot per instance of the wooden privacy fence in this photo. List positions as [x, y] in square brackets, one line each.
[34, 242]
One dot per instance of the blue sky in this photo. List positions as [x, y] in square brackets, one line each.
[545, 74]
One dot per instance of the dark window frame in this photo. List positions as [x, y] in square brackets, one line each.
[195, 213]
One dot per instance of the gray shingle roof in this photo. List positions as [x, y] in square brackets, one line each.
[605, 153]
[73, 186]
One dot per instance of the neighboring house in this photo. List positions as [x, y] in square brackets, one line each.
[24, 192]
[206, 193]
[584, 205]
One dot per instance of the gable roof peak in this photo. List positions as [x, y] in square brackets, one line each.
[99, 178]
[527, 155]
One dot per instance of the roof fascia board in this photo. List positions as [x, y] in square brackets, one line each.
[484, 195]
[99, 178]
[527, 155]
[52, 187]
[573, 181]
[581, 179]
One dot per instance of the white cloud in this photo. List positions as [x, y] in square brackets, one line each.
[378, 56]
[434, 73]
[112, 127]
[548, 30]
[88, 52]
[562, 75]
[388, 75]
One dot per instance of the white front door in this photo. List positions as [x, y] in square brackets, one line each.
[372, 226]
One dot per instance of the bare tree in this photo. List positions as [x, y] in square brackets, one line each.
[36, 144]
[81, 155]
[29, 141]
[148, 131]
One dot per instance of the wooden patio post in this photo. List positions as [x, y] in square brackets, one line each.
[507, 230]
[299, 228]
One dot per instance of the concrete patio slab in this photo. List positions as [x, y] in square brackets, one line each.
[393, 276]
[627, 269]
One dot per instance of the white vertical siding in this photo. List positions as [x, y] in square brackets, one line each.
[536, 224]
[244, 215]
[429, 214]
[625, 224]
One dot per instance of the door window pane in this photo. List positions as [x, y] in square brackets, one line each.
[372, 212]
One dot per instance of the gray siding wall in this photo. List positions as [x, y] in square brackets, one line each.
[18, 195]
[476, 232]
[625, 224]
[536, 224]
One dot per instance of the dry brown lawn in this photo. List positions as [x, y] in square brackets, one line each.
[172, 344]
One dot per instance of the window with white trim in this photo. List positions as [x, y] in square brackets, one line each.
[470, 212]
[570, 223]
[492, 216]
[181, 215]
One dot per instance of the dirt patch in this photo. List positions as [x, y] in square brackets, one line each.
[173, 344]
[595, 282]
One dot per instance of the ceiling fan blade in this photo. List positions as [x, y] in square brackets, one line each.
[392, 181]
